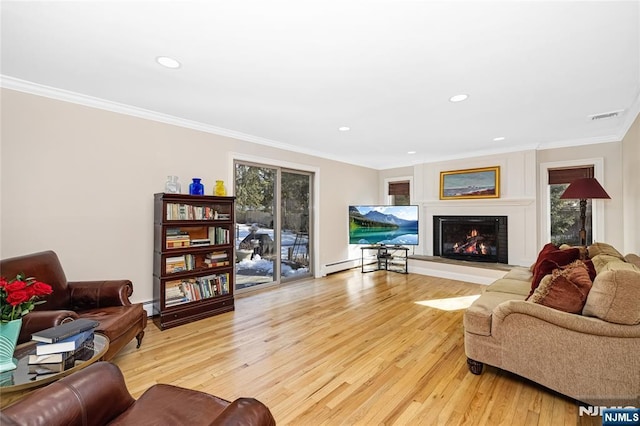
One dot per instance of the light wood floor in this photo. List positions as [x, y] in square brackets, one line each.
[347, 349]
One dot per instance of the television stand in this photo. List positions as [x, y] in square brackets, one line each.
[385, 258]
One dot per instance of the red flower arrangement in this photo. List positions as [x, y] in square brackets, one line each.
[20, 295]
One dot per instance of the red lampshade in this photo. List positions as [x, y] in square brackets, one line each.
[583, 189]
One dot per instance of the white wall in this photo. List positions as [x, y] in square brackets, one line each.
[631, 188]
[517, 200]
[80, 181]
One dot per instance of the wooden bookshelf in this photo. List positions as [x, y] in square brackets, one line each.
[193, 260]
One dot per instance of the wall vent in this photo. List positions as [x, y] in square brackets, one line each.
[605, 115]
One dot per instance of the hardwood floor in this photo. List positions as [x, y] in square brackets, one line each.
[350, 349]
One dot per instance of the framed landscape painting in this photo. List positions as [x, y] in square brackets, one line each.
[470, 183]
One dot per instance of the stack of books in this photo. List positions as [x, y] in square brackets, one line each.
[175, 264]
[176, 239]
[59, 347]
[217, 259]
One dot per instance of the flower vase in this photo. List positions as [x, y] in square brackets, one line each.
[9, 332]
[195, 187]
[172, 186]
[220, 190]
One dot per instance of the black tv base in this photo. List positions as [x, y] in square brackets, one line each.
[384, 258]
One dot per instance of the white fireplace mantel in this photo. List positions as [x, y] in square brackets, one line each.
[504, 202]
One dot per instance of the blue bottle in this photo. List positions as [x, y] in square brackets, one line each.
[196, 188]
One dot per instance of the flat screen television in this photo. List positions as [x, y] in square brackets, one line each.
[383, 225]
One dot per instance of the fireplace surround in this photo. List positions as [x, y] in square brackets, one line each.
[471, 238]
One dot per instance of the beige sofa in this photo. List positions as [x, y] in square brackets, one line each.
[592, 356]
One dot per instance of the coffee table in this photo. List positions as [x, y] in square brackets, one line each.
[17, 383]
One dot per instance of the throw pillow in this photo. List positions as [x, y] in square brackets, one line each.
[583, 250]
[591, 268]
[546, 249]
[603, 248]
[550, 259]
[614, 297]
[565, 289]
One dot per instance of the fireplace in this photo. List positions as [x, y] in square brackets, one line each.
[473, 238]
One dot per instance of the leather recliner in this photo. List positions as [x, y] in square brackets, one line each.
[104, 301]
[97, 395]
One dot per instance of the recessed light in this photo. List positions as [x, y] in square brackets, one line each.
[499, 138]
[168, 62]
[344, 128]
[458, 98]
[411, 152]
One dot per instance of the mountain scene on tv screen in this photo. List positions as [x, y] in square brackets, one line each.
[392, 225]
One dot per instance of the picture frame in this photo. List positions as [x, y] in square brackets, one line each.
[470, 183]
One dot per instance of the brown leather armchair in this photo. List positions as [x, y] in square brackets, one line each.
[104, 301]
[98, 395]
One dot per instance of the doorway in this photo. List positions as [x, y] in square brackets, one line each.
[273, 218]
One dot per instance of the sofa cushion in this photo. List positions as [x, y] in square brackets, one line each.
[617, 266]
[477, 317]
[566, 289]
[601, 260]
[633, 258]
[603, 248]
[550, 259]
[511, 286]
[520, 273]
[615, 297]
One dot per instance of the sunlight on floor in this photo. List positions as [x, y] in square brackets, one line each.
[450, 304]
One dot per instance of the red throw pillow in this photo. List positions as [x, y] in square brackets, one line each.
[566, 289]
[550, 259]
[590, 268]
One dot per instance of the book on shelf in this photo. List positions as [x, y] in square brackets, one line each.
[218, 235]
[200, 242]
[62, 331]
[178, 243]
[216, 263]
[217, 255]
[177, 211]
[66, 345]
[178, 237]
[175, 264]
[176, 232]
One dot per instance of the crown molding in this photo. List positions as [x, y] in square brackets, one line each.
[77, 98]
[25, 86]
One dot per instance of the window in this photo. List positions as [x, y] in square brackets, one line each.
[565, 214]
[399, 193]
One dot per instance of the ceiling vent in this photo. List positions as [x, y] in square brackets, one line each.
[605, 115]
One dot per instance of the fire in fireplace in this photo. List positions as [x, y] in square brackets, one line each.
[474, 238]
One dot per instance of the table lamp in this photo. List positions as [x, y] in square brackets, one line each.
[584, 189]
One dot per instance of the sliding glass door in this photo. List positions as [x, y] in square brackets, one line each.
[272, 224]
[295, 191]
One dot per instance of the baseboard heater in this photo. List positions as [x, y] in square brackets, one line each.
[341, 265]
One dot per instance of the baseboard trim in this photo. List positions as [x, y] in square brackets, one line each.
[148, 306]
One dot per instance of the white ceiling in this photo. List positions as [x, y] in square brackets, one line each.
[289, 73]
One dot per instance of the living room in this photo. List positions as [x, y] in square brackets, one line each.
[79, 174]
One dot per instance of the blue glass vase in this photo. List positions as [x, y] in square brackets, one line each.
[195, 187]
